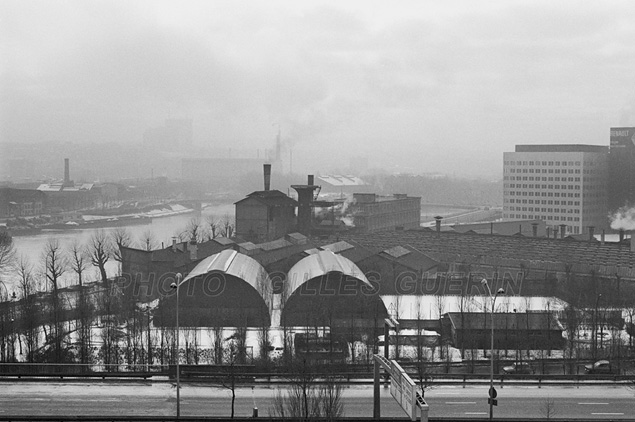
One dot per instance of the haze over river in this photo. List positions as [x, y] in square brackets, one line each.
[162, 229]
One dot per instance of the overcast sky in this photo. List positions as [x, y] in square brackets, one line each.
[416, 86]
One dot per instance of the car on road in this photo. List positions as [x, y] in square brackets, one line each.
[599, 367]
[519, 368]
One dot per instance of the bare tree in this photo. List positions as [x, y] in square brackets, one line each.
[194, 230]
[422, 367]
[7, 258]
[548, 407]
[7, 251]
[214, 226]
[54, 268]
[305, 398]
[120, 238]
[30, 312]
[440, 303]
[218, 344]
[230, 376]
[228, 226]
[148, 240]
[79, 260]
[100, 251]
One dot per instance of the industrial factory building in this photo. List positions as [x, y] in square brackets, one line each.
[265, 215]
[231, 289]
[227, 289]
[270, 214]
[560, 184]
[373, 213]
[621, 168]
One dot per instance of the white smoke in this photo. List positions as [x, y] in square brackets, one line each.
[347, 217]
[350, 200]
[348, 220]
[623, 219]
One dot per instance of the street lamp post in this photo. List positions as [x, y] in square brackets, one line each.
[492, 395]
[594, 328]
[176, 286]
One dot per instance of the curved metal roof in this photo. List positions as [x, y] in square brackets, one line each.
[321, 263]
[238, 265]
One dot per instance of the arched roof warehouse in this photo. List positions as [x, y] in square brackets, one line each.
[226, 289]
[327, 289]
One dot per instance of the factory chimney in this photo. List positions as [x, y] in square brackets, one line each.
[267, 171]
[602, 238]
[621, 235]
[305, 203]
[438, 219]
[563, 228]
[67, 173]
[591, 232]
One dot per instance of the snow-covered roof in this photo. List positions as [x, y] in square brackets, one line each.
[236, 264]
[413, 307]
[320, 263]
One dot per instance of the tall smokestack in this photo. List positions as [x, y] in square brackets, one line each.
[563, 228]
[603, 237]
[267, 171]
[305, 201]
[591, 232]
[67, 171]
[438, 219]
[621, 235]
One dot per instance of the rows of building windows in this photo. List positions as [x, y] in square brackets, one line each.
[555, 179]
[547, 163]
[546, 171]
[541, 217]
[532, 186]
[537, 209]
[549, 194]
[538, 201]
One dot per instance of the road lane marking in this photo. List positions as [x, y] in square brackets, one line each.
[593, 403]
[476, 413]
[460, 402]
[608, 414]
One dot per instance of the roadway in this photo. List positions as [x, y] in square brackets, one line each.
[117, 398]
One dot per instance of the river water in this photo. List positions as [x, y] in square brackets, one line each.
[162, 229]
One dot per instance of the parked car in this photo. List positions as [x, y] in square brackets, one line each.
[599, 367]
[519, 368]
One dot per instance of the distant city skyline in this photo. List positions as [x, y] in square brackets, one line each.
[415, 87]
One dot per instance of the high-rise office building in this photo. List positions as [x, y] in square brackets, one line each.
[560, 184]
[622, 168]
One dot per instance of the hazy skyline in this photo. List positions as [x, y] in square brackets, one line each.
[413, 85]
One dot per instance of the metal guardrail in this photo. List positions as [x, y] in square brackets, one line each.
[347, 377]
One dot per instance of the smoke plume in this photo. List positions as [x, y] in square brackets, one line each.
[623, 219]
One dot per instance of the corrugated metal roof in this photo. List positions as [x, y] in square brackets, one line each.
[413, 307]
[238, 265]
[319, 264]
[45, 187]
[224, 240]
[338, 246]
[397, 251]
[274, 244]
[339, 180]
[546, 253]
